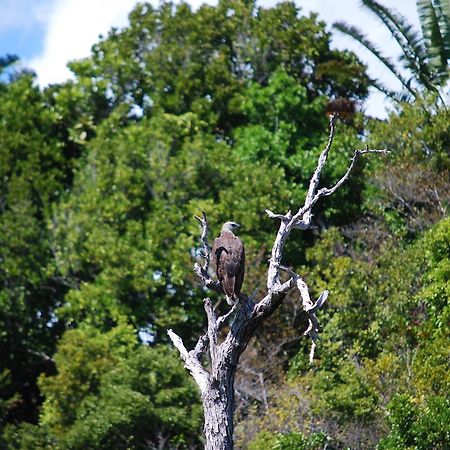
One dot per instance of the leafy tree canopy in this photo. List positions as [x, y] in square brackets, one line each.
[222, 109]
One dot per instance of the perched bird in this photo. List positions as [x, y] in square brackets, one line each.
[229, 259]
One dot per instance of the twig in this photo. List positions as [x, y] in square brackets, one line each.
[314, 182]
[204, 238]
[202, 271]
[325, 192]
[221, 320]
[309, 307]
[272, 215]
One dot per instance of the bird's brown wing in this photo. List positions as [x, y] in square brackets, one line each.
[229, 260]
[229, 279]
[234, 260]
[217, 256]
[240, 255]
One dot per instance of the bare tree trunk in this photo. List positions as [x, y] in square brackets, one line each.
[218, 398]
[218, 408]
[217, 383]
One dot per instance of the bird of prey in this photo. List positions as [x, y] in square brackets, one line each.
[229, 260]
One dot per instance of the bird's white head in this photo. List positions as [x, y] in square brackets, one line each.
[230, 226]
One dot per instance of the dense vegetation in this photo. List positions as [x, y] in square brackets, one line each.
[223, 110]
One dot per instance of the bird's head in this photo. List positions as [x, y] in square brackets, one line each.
[230, 226]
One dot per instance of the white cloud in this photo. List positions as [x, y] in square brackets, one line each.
[23, 14]
[73, 27]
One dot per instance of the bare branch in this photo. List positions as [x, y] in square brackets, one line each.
[325, 192]
[269, 303]
[302, 220]
[304, 294]
[288, 222]
[313, 327]
[272, 215]
[313, 335]
[320, 301]
[201, 347]
[212, 330]
[42, 356]
[273, 277]
[207, 280]
[204, 237]
[310, 309]
[289, 271]
[202, 271]
[442, 209]
[192, 364]
[222, 319]
[314, 182]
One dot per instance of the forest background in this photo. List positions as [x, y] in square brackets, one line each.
[224, 109]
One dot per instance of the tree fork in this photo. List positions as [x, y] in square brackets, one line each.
[217, 383]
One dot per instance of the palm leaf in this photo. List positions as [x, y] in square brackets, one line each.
[6, 61]
[436, 32]
[395, 96]
[443, 8]
[356, 34]
[411, 43]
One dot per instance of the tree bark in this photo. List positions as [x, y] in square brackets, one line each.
[218, 407]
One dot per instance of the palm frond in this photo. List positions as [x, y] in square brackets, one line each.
[443, 8]
[431, 31]
[356, 34]
[409, 40]
[6, 61]
[436, 32]
[395, 96]
[22, 72]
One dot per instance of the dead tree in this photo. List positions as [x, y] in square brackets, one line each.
[216, 379]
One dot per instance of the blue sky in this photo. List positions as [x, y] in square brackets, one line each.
[22, 27]
[46, 34]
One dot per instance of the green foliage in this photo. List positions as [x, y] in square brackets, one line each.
[417, 428]
[204, 79]
[126, 229]
[410, 190]
[222, 109]
[177, 60]
[415, 131]
[111, 392]
[288, 130]
[282, 124]
[33, 171]
[288, 441]
[384, 336]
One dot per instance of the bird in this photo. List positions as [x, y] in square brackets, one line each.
[229, 260]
